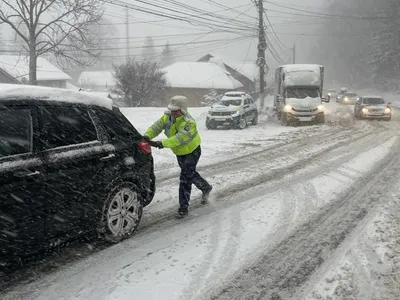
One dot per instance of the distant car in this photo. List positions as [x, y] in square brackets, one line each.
[331, 93]
[372, 107]
[349, 98]
[340, 94]
[235, 109]
[70, 163]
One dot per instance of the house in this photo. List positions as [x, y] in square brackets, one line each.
[96, 81]
[17, 69]
[244, 72]
[195, 80]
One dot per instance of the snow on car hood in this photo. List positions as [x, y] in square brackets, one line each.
[305, 103]
[219, 107]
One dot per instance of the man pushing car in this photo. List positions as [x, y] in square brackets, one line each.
[184, 140]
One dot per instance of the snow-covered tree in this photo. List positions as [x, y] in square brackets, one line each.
[167, 56]
[140, 83]
[149, 51]
[211, 97]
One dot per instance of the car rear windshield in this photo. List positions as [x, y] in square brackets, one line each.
[231, 102]
[373, 101]
[350, 95]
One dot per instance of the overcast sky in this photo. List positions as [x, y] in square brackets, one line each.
[191, 41]
[290, 26]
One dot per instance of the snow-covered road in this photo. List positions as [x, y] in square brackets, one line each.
[285, 202]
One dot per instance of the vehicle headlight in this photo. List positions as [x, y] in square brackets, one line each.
[288, 108]
[365, 110]
[346, 99]
[234, 112]
[320, 107]
[388, 110]
[329, 94]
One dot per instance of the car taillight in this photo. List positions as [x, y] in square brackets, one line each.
[145, 147]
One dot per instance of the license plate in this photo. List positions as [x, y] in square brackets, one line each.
[305, 119]
[226, 123]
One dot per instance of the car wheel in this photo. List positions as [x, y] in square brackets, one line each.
[121, 214]
[242, 124]
[388, 119]
[284, 120]
[211, 125]
[255, 120]
[321, 119]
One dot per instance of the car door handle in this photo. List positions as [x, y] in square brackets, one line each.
[26, 174]
[110, 156]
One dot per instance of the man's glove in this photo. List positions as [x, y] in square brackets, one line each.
[146, 138]
[158, 145]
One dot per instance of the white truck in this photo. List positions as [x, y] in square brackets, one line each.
[298, 94]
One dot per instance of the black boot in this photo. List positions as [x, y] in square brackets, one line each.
[206, 195]
[182, 212]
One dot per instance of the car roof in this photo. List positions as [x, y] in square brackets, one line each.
[233, 93]
[23, 93]
[374, 97]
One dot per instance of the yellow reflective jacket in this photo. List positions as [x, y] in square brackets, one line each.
[183, 137]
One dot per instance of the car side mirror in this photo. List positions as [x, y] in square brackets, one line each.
[280, 98]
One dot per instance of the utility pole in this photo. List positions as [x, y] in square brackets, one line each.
[262, 46]
[127, 35]
[294, 53]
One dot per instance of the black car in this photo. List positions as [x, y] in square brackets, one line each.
[70, 163]
[372, 107]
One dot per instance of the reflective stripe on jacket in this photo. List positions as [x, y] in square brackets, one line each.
[182, 135]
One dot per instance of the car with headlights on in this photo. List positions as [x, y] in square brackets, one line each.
[234, 110]
[372, 107]
[349, 98]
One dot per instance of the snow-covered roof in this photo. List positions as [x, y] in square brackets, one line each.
[98, 78]
[201, 75]
[245, 68]
[18, 67]
[11, 92]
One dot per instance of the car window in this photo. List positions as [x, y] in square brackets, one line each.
[117, 126]
[15, 132]
[374, 101]
[64, 126]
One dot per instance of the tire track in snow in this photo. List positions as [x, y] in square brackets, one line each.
[272, 176]
[279, 273]
[268, 153]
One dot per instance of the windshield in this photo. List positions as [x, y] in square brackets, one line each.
[374, 101]
[302, 92]
[350, 95]
[230, 102]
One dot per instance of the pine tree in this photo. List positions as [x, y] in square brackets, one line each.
[167, 57]
[149, 52]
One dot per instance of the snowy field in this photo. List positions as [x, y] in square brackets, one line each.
[282, 197]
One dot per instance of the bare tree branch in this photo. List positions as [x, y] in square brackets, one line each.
[66, 35]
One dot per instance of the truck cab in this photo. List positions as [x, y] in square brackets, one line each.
[298, 94]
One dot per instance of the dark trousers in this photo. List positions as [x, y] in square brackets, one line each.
[190, 176]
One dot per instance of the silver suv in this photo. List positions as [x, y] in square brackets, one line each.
[234, 110]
